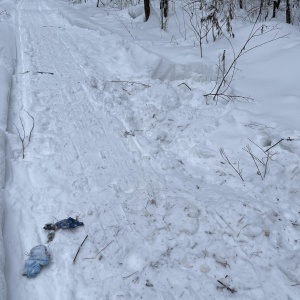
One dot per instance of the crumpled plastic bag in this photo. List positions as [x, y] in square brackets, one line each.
[63, 224]
[38, 258]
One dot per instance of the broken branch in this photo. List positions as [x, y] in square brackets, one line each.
[185, 85]
[131, 82]
[79, 249]
[238, 170]
[232, 290]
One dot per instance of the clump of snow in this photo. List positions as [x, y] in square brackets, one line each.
[136, 11]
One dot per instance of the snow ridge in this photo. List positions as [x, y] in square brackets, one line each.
[7, 66]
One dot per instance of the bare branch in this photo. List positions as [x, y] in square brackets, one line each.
[238, 170]
[29, 138]
[183, 83]
[22, 136]
[232, 290]
[79, 249]
[254, 158]
[105, 247]
[255, 32]
[274, 145]
[22, 124]
[131, 82]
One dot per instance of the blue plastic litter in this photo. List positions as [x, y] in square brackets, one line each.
[64, 224]
[68, 223]
[38, 258]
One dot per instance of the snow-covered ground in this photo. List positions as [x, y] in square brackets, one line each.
[7, 65]
[122, 138]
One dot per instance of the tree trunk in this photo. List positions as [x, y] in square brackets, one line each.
[288, 12]
[166, 8]
[241, 4]
[275, 6]
[147, 9]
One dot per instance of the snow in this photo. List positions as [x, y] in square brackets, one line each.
[7, 64]
[124, 140]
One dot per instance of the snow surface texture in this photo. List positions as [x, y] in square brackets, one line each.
[7, 65]
[122, 143]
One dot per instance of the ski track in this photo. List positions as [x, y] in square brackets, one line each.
[144, 222]
[74, 125]
[74, 156]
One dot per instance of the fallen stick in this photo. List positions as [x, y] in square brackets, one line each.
[79, 249]
[288, 139]
[185, 85]
[130, 82]
[50, 73]
[130, 275]
[104, 248]
[232, 290]
[100, 251]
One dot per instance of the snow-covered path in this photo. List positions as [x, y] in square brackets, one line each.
[77, 162]
[137, 160]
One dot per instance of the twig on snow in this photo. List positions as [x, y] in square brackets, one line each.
[268, 157]
[228, 97]
[232, 290]
[125, 277]
[131, 82]
[288, 139]
[105, 247]
[22, 136]
[183, 83]
[224, 264]
[50, 73]
[255, 159]
[29, 138]
[238, 170]
[79, 249]
[255, 253]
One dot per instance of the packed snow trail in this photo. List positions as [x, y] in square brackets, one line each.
[76, 163]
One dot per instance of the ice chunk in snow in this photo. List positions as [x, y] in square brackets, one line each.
[38, 258]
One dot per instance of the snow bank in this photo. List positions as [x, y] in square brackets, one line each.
[80, 19]
[5, 82]
[7, 63]
[164, 62]
[2, 156]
